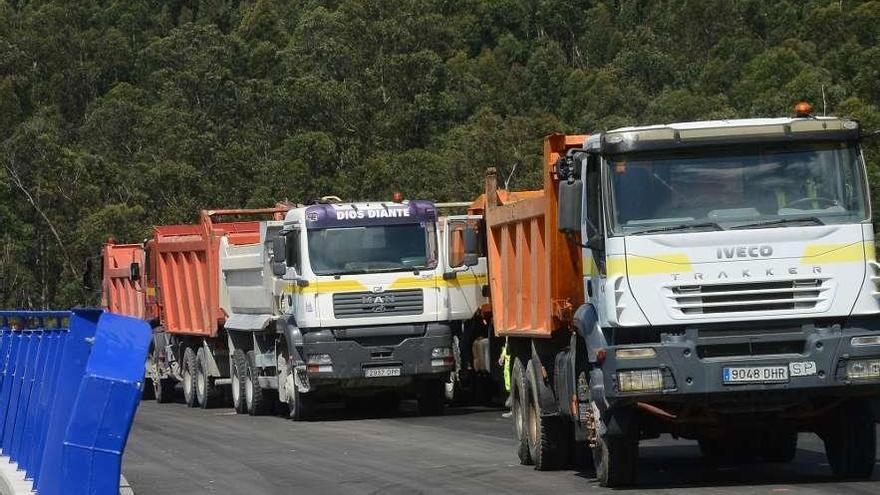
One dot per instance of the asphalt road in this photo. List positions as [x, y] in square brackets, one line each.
[173, 449]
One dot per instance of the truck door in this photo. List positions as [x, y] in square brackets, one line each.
[465, 235]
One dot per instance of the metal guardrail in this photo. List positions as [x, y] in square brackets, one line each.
[70, 383]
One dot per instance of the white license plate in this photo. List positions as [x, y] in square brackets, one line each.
[755, 374]
[802, 368]
[380, 372]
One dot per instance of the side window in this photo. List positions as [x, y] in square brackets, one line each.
[456, 243]
[293, 255]
[593, 196]
[465, 237]
[593, 206]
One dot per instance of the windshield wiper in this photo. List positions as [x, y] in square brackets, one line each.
[683, 226]
[779, 221]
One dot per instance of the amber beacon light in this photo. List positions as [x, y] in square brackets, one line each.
[803, 109]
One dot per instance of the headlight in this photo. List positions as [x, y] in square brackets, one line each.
[635, 353]
[650, 380]
[863, 369]
[442, 357]
[320, 363]
[865, 341]
[441, 352]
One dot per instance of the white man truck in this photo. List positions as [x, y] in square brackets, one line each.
[713, 280]
[335, 300]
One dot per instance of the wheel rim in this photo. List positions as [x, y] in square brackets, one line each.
[249, 391]
[200, 383]
[517, 415]
[533, 424]
[236, 393]
[187, 384]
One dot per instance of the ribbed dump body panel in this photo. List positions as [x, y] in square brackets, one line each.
[120, 294]
[388, 303]
[535, 273]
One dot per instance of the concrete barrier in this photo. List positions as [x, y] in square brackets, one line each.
[70, 383]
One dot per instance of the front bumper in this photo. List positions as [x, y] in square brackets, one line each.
[353, 351]
[692, 362]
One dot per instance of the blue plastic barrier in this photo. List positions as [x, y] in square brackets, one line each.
[70, 383]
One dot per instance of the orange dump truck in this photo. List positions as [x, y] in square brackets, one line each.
[715, 281]
[174, 281]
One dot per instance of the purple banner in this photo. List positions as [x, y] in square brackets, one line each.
[325, 216]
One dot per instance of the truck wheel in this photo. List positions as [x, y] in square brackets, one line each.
[207, 393]
[299, 405]
[453, 388]
[778, 447]
[239, 378]
[189, 377]
[519, 406]
[851, 441]
[544, 434]
[431, 397]
[148, 392]
[257, 400]
[163, 390]
[615, 458]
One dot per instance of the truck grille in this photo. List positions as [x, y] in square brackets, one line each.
[389, 303]
[798, 294]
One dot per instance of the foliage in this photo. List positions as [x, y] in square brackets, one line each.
[116, 115]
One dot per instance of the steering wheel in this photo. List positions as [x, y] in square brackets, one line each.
[826, 201]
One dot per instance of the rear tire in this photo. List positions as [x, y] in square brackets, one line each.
[432, 397]
[190, 365]
[519, 406]
[851, 441]
[239, 376]
[545, 434]
[207, 393]
[258, 402]
[615, 458]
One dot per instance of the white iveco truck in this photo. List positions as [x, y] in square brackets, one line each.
[356, 299]
[730, 295]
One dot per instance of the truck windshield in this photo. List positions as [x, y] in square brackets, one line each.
[380, 248]
[750, 186]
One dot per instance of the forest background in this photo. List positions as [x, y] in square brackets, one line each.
[116, 115]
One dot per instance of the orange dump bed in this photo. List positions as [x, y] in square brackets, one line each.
[185, 267]
[534, 271]
[120, 294]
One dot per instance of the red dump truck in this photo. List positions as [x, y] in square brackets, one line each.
[172, 280]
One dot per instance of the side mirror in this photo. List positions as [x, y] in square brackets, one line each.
[471, 259]
[569, 209]
[279, 249]
[134, 272]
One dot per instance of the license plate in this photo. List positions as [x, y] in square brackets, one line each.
[755, 374]
[802, 368]
[381, 372]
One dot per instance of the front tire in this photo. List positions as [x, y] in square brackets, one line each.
[300, 406]
[851, 441]
[190, 364]
[615, 458]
